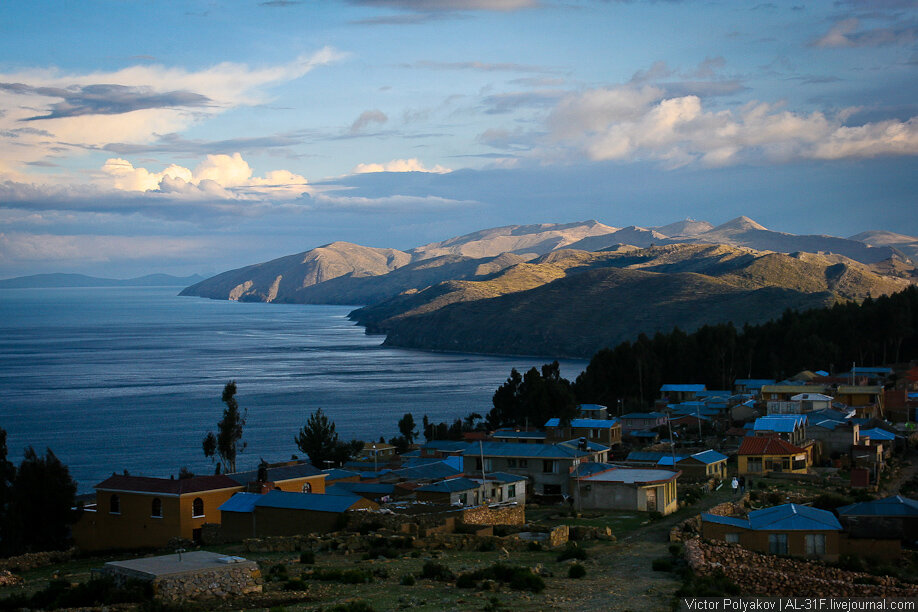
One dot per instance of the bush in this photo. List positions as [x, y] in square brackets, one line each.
[831, 501]
[95, 592]
[295, 584]
[677, 549]
[436, 571]
[277, 572]
[576, 570]
[534, 547]
[487, 546]
[663, 564]
[714, 585]
[353, 606]
[572, 551]
[407, 580]
[307, 557]
[348, 576]
[519, 578]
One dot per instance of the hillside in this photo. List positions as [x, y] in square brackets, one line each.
[38, 281]
[574, 303]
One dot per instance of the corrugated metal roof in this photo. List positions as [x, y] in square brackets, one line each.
[306, 501]
[780, 423]
[895, 505]
[631, 476]
[337, 474]
[278, 474]
[428, 471]
[709, 456]
[724, 520]
[167, 486]
[504, 477]
[878, 434]
[793, 517]
[240, 502]
[759, 445]
[585, 423]
[512, 433]
[680, 388]
[450, 485]
[592, 407]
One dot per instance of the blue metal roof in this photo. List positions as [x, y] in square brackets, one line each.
[643, 415]
[535, 451]
[307, 501]
[512, 433]
[646, 456]
[724, 520]
[682, 388]
[505, 477]
[878, 434]
[754, 383]
[715, 393]
[781, 423]
[895, 505]
[584, 423]
[451, 485]
[435, 470]
[643, 434]
[240, 502]
[709, 456]
[793, 517]
[446, 445]
[278, 474]
[338, 474]
[591, 467]
[592, 407]
[361, 488]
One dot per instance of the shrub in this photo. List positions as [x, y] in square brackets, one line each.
[663, 564]
[713, 585]
[307, 557]
[677, 549]
[576, 570]
[277, 572]
[487, 546]
[95, 592]
[353, 606]
[534, 547]
[295, 584]
[407, 580]
[572, 551]
[519, 578]
[348, 576]
[436, 571]
[831, 501]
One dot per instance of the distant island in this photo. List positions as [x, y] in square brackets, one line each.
[46, 281]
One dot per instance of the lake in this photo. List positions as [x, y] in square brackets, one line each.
[130, 378]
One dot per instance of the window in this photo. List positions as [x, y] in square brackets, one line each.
[156, 508]
[549, 466]
[489, 465]
[785, 463]
[511, 463]
[463, 498]
[777, 543]
[197, 508]
[511, 491]
[114, 505]
[731, 538]
[523, 463]
[815, 544]
[754, 464]
[307, 488]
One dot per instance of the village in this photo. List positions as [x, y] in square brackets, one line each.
[793, 487]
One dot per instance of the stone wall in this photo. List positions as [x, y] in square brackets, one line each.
[30, 561]
[691, 527]
[497, 515]
[772, 576]
[209, 584]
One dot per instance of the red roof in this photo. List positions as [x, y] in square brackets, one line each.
[167, 486]
[767, 445]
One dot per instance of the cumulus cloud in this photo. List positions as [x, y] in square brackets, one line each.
[366, 118]
[399, 165]
[221, 177]
[635, 123]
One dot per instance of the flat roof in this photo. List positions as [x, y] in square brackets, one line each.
[165, 565]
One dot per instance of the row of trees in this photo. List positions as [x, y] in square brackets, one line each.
[37, 502]
[880, 330]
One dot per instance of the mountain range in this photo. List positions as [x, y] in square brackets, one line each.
[39, 281]
[571, 289]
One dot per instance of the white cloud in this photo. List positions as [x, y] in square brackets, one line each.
[132, 105]
[221, 177]
[389, 204]
[631, 123]
[399, 165]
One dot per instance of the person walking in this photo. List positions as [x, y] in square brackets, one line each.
[742, 484]
[735, 484]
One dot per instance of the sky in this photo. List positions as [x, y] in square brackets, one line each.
[199, 136]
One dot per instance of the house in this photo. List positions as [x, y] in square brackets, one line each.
[783, 392]
[602, 431]
[698, 466]
[642, 421]
[789, 427]
[424, 473]
[894, 517]
[374, 491]
[503, 487]
[836, 435]
[143, 512]
[876, 436]
[283, 513]
[680, 393]
[453, 491]
[546, 466]
[300, 476]
[788, 529]
[800, 404]
[761, 455]
[593, 411]
[867, 400]
[622, 488]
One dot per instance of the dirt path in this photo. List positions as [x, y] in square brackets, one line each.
[620, 574]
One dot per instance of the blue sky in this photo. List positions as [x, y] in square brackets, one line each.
[140, 137]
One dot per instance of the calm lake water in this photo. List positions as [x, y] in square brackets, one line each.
[130, 378]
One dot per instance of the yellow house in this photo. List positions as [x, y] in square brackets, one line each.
[761, 455]
[142, 512]
[294, 476]
[866, 399]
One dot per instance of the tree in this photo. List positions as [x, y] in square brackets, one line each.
[406, 428]
[319, 440]
[41, 505]
[225, 444]
[7, 476]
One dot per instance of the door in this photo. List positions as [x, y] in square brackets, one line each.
[651, 500]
